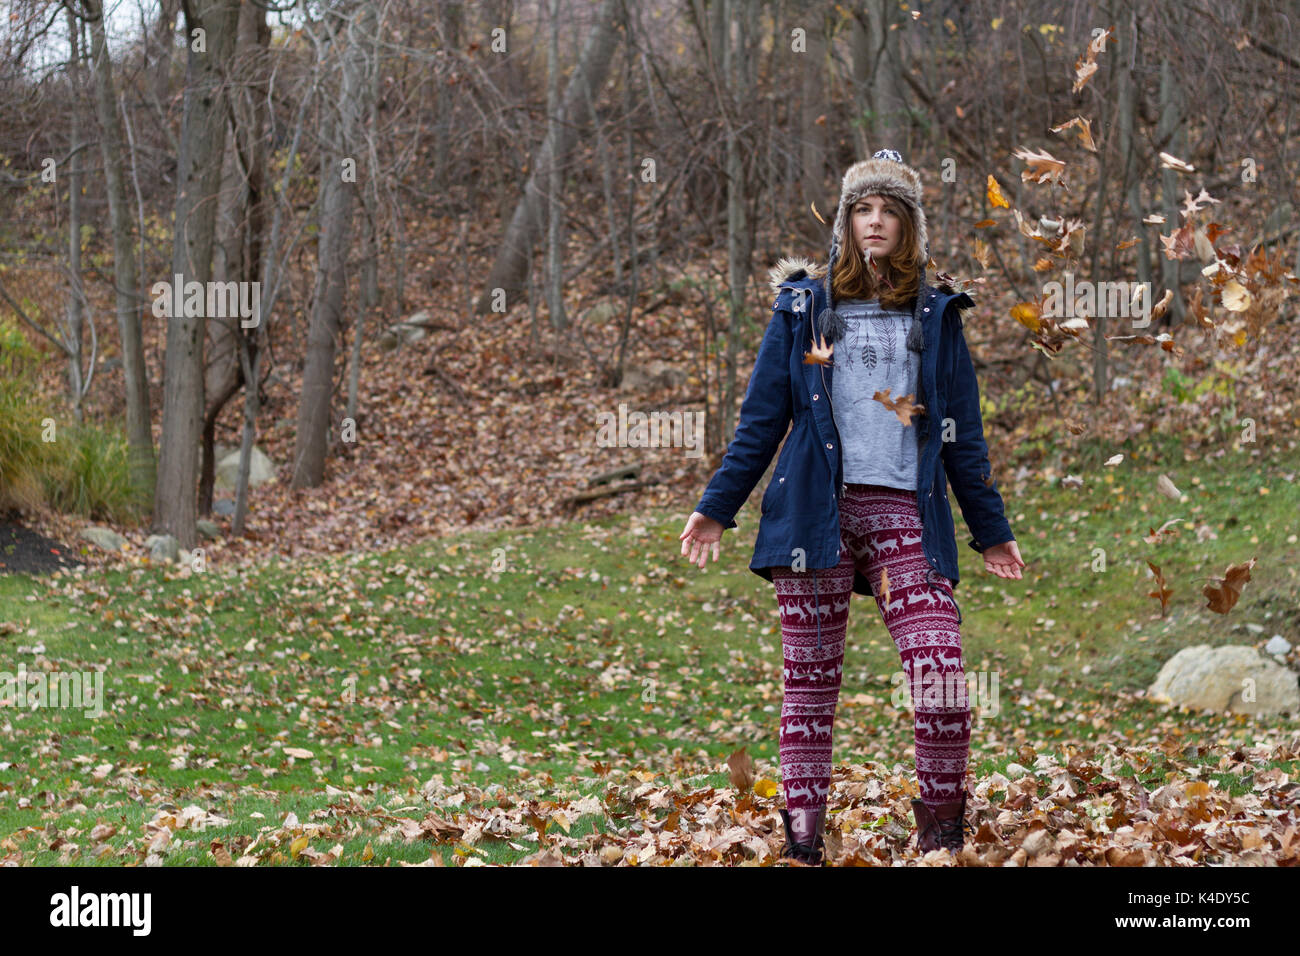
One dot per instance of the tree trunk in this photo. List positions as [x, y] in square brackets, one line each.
[139, 433]
[555, 184]
[336, 197]
[1173, 125]
[241, 224]
[510, 269]
[203, 135]
[889, 117]
[75, 315]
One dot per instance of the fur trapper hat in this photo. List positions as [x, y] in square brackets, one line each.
[884, 174]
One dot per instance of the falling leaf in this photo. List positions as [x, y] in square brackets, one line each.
[1161, 591]
[1027, 314]
[1166, 488]
[1180, 244]
[1224, 592]
[820, 354]
[1159, 309]
[1235, 296]
[1114, 459]
[995, 194]
[741, 765]
[903, 406]
[1173, 162]
[1085, 132]
[1191, 205]
[1164, 531]
[1043, 166]
[985, 223]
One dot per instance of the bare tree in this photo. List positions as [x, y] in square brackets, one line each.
[511, 266]
[139, 434]
[351, 24]
[211, 27]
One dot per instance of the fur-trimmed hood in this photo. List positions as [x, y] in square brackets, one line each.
[793, 267]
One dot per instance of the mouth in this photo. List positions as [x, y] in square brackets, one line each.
[875, 238]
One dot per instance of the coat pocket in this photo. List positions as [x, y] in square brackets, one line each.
[774, 488]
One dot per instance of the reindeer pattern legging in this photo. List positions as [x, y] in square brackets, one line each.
[880, 528]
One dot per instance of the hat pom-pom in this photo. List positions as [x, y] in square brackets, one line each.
[832, 325]
[915, 340]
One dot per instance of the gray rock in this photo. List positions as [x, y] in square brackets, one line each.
[400, 333]
[419, 319]
[1279, 645]
[1223, 678]
[163, 548]
[104, 538]
[260, 470]
[223, 506]
[208, 529]
[603, 311]
[657, 374]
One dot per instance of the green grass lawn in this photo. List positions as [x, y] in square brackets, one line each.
[541, 665]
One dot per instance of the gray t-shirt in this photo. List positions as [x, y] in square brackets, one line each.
[873, 356]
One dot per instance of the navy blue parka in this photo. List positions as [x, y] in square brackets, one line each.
[799, 523]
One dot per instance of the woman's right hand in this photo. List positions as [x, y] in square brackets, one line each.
[700, 532]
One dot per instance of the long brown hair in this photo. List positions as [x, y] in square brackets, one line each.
[855, 280]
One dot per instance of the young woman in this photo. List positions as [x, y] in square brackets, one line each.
[858, 499]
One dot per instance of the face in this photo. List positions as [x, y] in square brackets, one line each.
[876, 229]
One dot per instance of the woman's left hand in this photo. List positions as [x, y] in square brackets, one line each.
[1003, 560]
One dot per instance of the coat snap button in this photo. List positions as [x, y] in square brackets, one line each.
[815, 397]
[782, 481]
[926, 309]
[829, 445]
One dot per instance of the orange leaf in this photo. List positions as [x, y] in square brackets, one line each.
[995, 194]
[820, 354]
[902, 406]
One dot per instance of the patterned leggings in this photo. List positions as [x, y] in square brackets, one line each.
[880, 529]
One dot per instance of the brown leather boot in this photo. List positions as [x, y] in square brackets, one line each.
[803, 835]
[944, 826]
